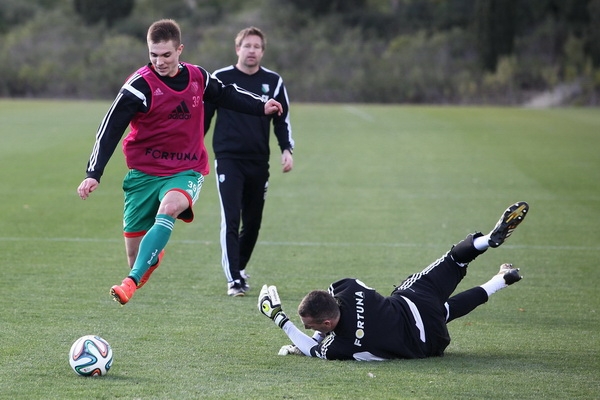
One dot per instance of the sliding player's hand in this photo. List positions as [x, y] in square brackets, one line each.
[290, 349]
[270, 305]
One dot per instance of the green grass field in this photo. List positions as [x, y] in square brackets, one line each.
[377, 193]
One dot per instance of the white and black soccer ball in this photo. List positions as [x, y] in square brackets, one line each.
[90, 355]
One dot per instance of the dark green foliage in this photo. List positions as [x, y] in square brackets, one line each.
[320, 7]
[15, 12]
[593, 42]
[108, 11]
[457, 13]
[494, 30]
[425, 51]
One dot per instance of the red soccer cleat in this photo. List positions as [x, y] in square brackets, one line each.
[123, 292]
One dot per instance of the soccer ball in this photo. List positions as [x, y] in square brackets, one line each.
[90, 355]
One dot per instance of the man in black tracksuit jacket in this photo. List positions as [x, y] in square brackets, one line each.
[241, 147]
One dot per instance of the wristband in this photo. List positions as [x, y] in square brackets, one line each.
[280, 319]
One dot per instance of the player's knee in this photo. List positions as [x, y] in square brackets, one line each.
[170, 208]
[173, 204]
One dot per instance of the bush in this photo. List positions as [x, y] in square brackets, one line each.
[321, 59]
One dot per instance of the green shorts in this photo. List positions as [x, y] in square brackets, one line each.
[143, 194]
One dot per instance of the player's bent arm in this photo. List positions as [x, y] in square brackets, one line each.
[234, 97]
[299, 338]
[269, 304]
[133, 97]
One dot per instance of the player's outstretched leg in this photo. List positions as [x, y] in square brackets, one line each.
[509, 274]
[477, 243]
[463, 303]
[505, 277]
[512, 217]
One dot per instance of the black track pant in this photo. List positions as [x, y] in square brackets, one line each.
[242, 187]
[431, 289]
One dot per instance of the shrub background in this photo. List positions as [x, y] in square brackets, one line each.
[373, 51]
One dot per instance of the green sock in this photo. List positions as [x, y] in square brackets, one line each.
[151, 245]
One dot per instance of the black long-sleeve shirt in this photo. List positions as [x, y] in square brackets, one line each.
[243, 136]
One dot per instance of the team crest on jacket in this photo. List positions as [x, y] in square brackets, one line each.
[265, 88]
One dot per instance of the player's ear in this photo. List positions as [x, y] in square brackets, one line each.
[331, 323]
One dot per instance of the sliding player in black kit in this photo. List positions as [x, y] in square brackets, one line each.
[353, 321]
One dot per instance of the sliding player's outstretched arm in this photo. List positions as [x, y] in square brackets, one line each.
[270, 305]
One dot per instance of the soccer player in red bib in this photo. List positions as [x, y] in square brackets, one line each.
[164, 149]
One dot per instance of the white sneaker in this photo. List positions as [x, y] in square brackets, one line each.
[235, 289]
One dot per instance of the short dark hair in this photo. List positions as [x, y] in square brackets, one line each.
[164, 30]
[252, 30]
[319, 305]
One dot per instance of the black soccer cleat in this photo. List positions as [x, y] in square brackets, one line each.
[511, 218]
[510, 274]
